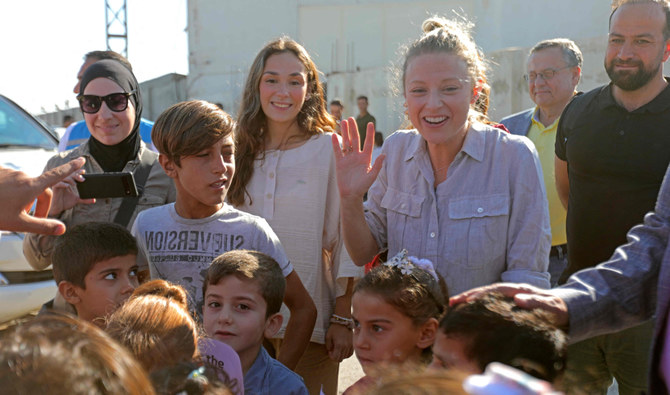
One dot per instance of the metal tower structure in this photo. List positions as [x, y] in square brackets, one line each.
[116, 20]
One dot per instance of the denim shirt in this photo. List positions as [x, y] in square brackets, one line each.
[268, 376]
[488, 222]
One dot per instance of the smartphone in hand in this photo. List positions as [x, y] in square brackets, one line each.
[107, 185]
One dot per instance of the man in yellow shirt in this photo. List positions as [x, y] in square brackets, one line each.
[553, 72]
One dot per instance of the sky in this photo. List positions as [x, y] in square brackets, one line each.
[42, 44]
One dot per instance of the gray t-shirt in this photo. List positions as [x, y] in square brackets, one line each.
[180, 250]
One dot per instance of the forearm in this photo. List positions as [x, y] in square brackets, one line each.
[297, 337]
[529, 231]
[563, 195]
[621, 292]
[343, 303]
[339, 338]
[358, 239]
[562, 181]
[300, 324]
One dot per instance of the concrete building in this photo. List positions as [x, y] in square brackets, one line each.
[355, 44]
[160, 93]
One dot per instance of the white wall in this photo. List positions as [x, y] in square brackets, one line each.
[355, 43]
[224, 37]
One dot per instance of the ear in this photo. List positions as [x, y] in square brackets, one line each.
[428, 333]
[168, 166]
[69, 292]
[666, 52]
[576, 74]
[272, 325]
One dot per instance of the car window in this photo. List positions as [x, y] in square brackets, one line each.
[19, 129]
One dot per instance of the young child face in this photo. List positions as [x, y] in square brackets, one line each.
[382, 334]
[109, 284]
[202, 180]
[449, 353]
[283, 88]
[234, 313]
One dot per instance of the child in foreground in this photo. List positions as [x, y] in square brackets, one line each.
[94, 265]
[179, 241]
[522, 339]
[396, 307]
[243, 291]
[155, 325]
[57, 354]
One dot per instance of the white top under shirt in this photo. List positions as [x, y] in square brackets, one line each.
[295, 190]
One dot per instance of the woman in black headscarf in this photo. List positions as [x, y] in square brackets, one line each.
[111, 103]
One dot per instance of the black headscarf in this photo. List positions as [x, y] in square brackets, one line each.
[115, 157]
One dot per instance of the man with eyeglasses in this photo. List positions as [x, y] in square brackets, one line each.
[553, 72]
[77, 133]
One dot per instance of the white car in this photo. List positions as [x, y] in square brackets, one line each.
[26, 145]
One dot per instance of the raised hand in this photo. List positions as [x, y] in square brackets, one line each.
[18, 192]
[355, 173]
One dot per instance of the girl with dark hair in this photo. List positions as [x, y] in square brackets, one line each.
[396, 308]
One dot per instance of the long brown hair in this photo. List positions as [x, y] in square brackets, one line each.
[313, 117]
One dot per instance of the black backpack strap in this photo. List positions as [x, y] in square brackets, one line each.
[141, 174]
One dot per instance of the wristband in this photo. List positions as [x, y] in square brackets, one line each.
[347, 322]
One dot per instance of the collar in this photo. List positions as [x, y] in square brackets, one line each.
[475, 141]
[658, 104]
[474, 144]
[535, 120]
[261, 363]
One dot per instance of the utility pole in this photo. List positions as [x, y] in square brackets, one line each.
[116, 20]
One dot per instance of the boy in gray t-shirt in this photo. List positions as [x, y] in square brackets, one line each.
[180, 250]
[179, 241]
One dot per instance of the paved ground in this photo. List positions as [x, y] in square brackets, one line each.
[350, 372]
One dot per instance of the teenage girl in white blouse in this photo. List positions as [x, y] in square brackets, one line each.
[286, 174]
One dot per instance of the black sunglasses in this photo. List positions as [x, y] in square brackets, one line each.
[116, 102]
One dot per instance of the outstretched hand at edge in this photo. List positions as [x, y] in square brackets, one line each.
[18, 192]
[525, 296]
